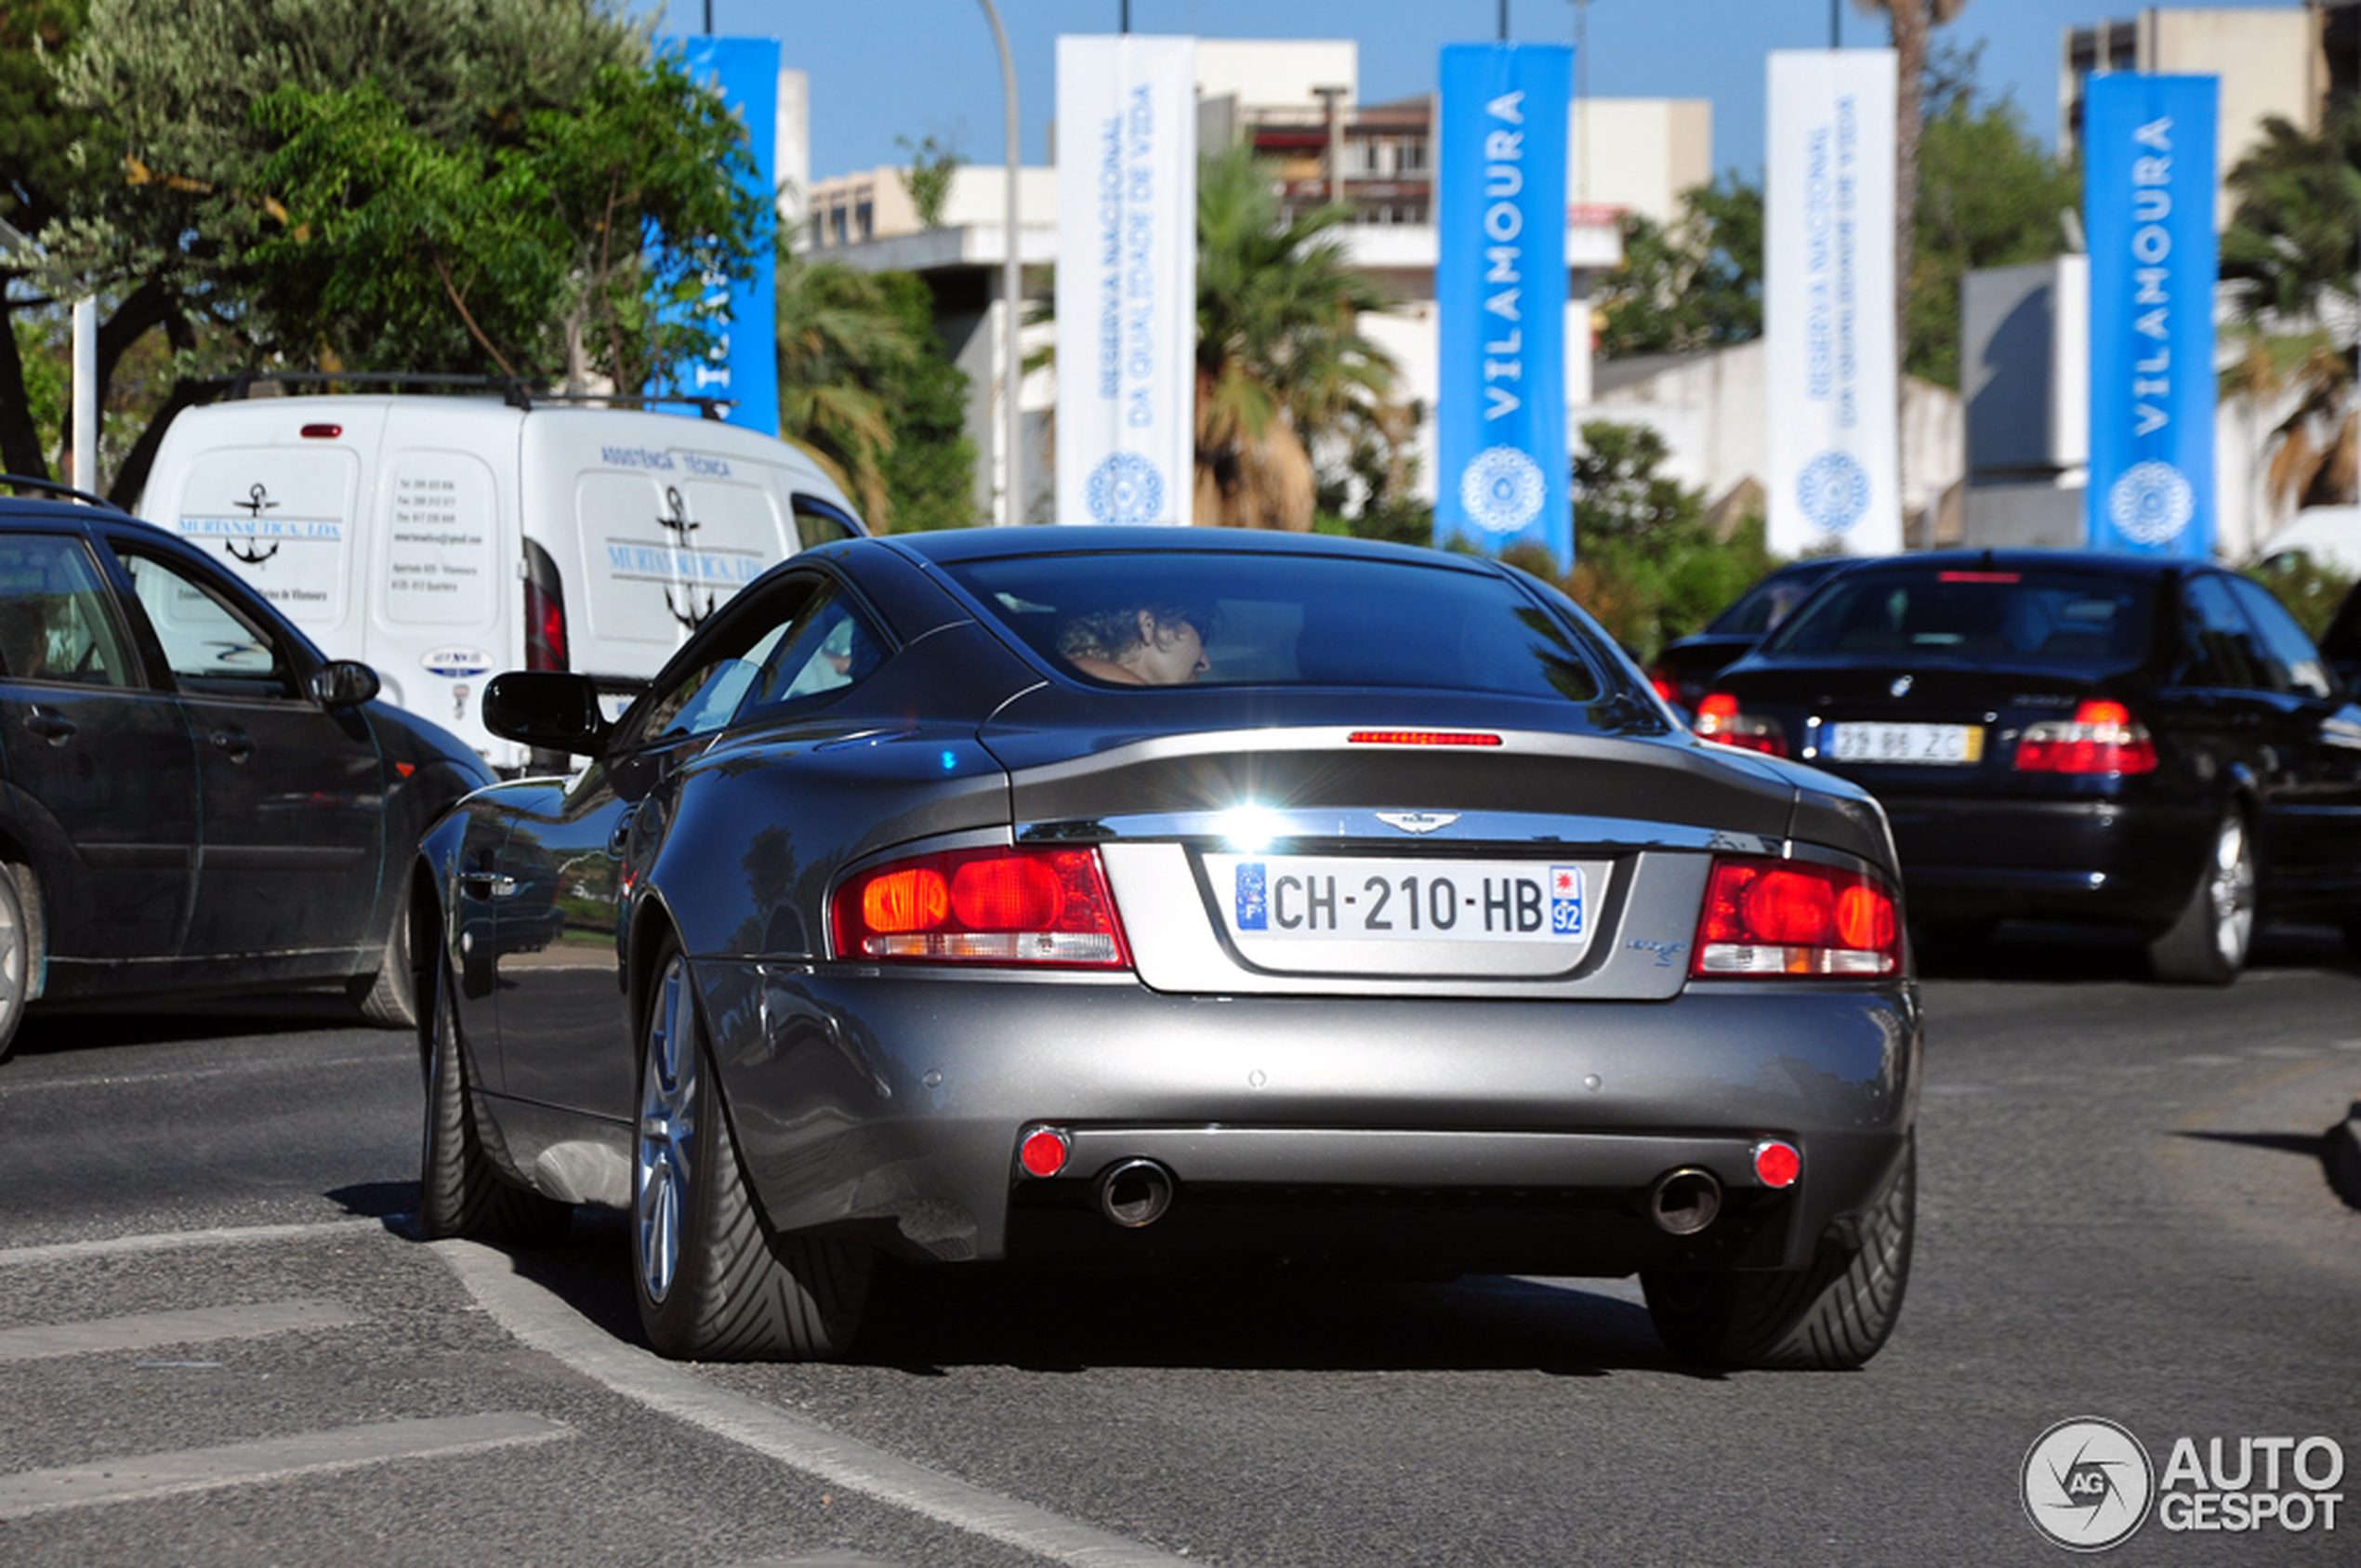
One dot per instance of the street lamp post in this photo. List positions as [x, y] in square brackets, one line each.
[1011, 289]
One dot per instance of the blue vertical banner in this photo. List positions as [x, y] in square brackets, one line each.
[743, 364]
[2149, 175]
[1501, 291]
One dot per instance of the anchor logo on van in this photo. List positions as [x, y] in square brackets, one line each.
[257, 502]
[684, 610]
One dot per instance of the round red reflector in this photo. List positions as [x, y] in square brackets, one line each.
[1777, 1164]
[323, 432]
[1043, 1151]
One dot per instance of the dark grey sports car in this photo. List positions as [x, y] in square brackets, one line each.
[1167, 899]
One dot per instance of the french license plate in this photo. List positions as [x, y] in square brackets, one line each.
[1495, 919]
[1935, 744]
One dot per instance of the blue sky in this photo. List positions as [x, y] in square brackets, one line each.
[881, 68]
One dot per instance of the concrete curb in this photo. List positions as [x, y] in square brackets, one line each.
[2344, 1156]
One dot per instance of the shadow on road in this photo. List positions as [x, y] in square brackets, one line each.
[45, 1031]
[2060, 954]
[922, 1321]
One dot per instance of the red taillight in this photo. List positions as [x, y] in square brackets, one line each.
[1721, 720]
[1794, 918]
[321, 432]
[2102, 737]
[1043, 1150]
[1777, 1164]
[1421, 737]
[544, 628]
[1977, 577]
[983, 906]
[1664, 685]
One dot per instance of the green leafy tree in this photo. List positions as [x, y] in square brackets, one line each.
[1694, 284]
[579, 248]
[933, 166]
[2289, 257]
[175, 223]
[932, 481]
[1281, 360]
[1989, 195]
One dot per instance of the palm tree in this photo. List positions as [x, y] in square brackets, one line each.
[1912, 21]
[2289, 256]
[1281, 361]
[835, 334]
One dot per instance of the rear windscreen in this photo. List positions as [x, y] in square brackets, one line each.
[1191, 617]
[2047, 617]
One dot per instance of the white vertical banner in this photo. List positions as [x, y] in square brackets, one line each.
[1127, 279]
[1828, 303]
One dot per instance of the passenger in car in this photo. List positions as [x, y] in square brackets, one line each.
[1138, 645]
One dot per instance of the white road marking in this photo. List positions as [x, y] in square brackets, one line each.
[244, 1464]
[144, 1331]
[542, 1320]
[173, 1241]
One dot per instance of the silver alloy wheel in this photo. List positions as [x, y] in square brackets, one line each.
[669, 1093]
[2230, 891]
[12, 959]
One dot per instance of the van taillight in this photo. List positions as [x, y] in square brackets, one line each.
[544, 628]
[1766, 918]
[983, 906]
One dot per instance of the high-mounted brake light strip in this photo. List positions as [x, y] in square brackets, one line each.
[1422, 737]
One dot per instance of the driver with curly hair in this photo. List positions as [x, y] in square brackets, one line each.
[1139, 644]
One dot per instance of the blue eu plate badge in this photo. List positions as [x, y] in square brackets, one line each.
[1566, 900]
[1254, 898]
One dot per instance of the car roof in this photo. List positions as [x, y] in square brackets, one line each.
[2121, 564]
[952, 546]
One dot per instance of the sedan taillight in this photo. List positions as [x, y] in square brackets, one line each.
[983, 906]
[1719, 718]
[1793, 918]
[2102, 737]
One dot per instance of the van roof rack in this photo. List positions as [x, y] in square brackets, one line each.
[513, 392]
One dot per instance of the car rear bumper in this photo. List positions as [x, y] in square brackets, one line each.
[2105, 859]
[1455, 1137]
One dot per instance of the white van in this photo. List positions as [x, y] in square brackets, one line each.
[445, 539]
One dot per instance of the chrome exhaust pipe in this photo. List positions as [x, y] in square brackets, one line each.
[1685, 1200]
[1135, 1193]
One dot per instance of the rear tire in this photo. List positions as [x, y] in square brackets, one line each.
[390, 996]
[712, 1282]
[461, 1192]
[2208, 944]
[1831, 1316]
[15, 959]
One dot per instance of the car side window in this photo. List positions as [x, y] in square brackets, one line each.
[211, 645]
[2222, 649]
[2293, 663]
[829, 651]
[57, 621]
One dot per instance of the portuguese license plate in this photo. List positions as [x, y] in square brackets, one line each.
[1932, 744]
[1355, 914]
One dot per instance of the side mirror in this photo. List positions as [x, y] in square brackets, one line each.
[344, 684]
[546, 709]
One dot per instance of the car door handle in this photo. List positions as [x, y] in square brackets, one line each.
[487, 885]
[621, 836]
[55, 727]
[234, 743]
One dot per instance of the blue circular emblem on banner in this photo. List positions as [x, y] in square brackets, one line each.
[1502, 489]
[1125, 488]
[2151, 503]
[1833, 490]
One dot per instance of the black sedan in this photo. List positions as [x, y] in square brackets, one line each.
[195, 801]
[1683, 672]
[1168, 898]
[2078, 737]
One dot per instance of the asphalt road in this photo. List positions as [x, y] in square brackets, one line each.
[219, 1344]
